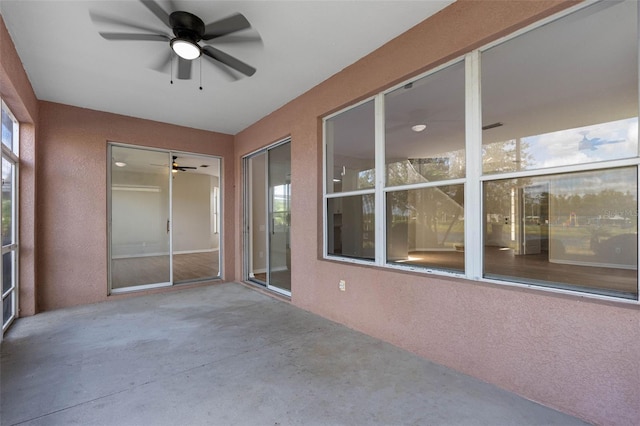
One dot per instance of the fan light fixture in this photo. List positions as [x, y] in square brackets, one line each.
[185, 48]
[187, 30]
[419, 127]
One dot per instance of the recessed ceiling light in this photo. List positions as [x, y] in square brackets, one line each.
[419, 128]
[120, 163]
[185, 48]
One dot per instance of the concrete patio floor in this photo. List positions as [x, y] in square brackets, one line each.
[228, 355]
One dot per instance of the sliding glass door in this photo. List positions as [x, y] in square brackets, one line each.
[280, 216]
[256, 217]
[140, 218]
[268, 217]
[164, 218]
[196, 234]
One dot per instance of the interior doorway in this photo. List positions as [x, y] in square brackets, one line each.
[164, 224]
[267, 218]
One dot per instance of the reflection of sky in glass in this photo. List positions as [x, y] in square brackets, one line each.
[6, 171]
[7, 129]
[599, 142]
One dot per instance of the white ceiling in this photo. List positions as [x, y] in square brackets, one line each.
[303, 44]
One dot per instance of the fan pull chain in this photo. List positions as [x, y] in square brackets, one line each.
[200, 61]
[171, 69]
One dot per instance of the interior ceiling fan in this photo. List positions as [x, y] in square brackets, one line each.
[188, 33]
[178, 168]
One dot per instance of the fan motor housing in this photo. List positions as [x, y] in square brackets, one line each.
[187, 25]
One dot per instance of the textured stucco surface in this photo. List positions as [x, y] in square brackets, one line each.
[244, 359]
[576, 354]
[72, 183]
[17, 93]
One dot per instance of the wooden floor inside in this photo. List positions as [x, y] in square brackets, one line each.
[535, 269]
[499, 264]
[136, 271]
[280, 279]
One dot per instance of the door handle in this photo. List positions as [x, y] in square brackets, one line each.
[167, 226]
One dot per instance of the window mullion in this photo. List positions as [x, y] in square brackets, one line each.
[473, 189]
[638, 168]
[380, 213]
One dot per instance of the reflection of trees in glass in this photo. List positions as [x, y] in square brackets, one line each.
[588, 223]
[366, 178]
[433, 211]
[506, 156]
[7, 202]
[281, 209]
[582, 209]
[498, 196]
[606, 205]
[368, 222]
[6, 218]
[502, 157]
[447, 165]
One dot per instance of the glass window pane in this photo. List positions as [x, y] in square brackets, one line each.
[350, 156]
[196, 243]
[7, 203]
[424, 129]
[425, 227]
[140, 226]
[7, 129]
[279, 165]
[351, 226]
[576, 231]
[7, 271]
[563, 94]
[7, 309]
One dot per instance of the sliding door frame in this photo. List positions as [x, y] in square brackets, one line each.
[110, 289]
[170, 225]
[247, 229]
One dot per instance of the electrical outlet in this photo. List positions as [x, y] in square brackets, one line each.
[342, 285]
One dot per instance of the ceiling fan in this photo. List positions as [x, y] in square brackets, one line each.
[185, 42]
[175, 167]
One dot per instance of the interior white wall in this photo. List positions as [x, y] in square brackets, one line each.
[192, 226]
[140, 209]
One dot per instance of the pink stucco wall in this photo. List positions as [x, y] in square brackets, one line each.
[18, 94]
[72, 201]
[578, 355]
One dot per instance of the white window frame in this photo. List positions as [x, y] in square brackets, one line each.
[473, 181]
[11, 155]
[358, 192]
